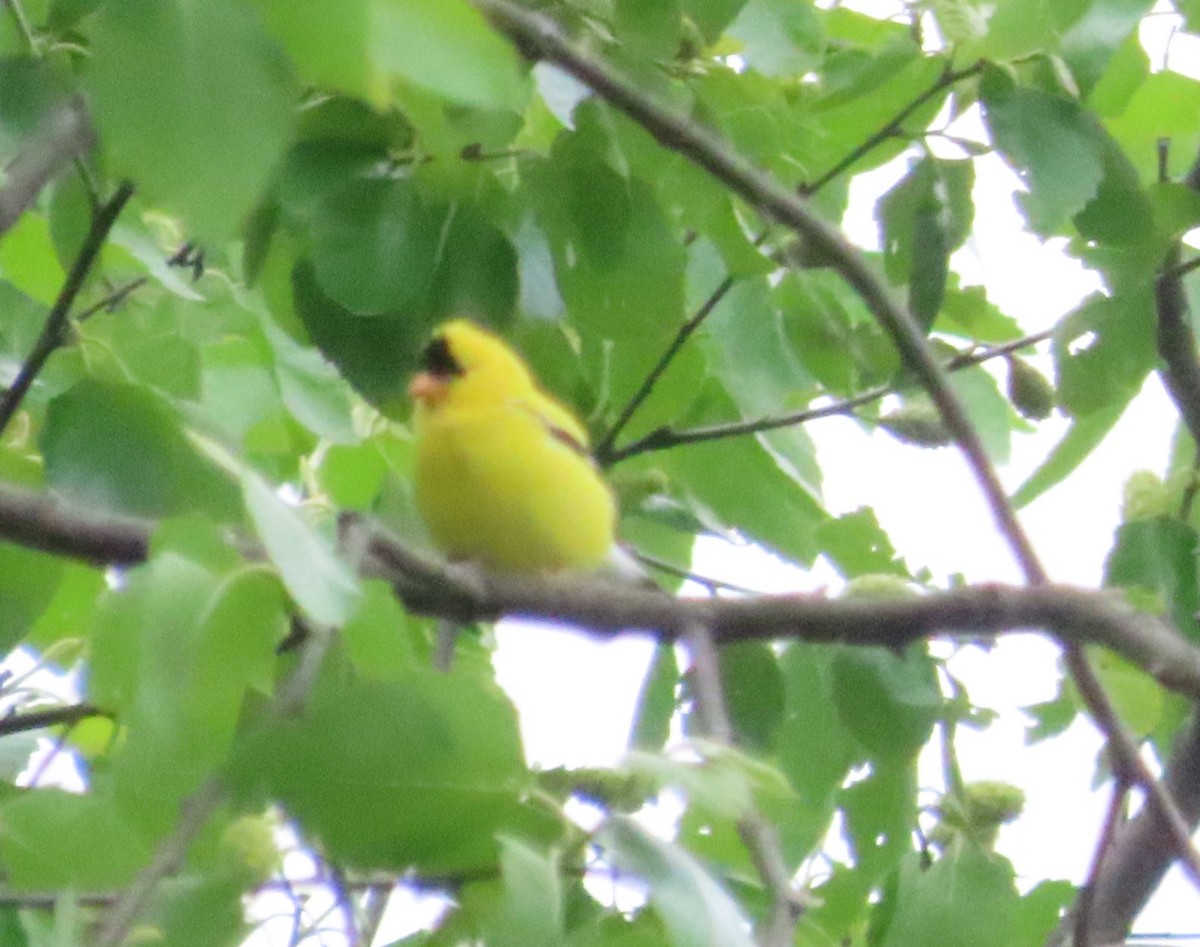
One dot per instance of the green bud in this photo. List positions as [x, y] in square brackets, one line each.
[918, 424]
[1029, 390]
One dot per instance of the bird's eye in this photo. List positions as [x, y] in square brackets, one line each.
[439, 360]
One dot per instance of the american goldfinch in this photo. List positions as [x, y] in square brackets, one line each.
[503, 473]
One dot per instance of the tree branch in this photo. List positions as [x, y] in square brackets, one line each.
[43, 521]
[604, 608]
[54, 333]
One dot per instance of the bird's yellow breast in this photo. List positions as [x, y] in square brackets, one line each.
[496, 486]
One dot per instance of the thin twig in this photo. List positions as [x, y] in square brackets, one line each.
[49, 717]
[375, 902]
[113, 299]
[713, 585]
[664, 438]
[1112, 821]
[1144, 848]
[895, 127]
[604, 450]
[54, 332]
[759, 837]
[195, 811]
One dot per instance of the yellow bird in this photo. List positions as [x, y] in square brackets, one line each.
[504, 477]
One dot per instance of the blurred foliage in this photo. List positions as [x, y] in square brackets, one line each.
[355, 172]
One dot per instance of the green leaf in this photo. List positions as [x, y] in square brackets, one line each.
[375, 354]
[41, 831]
[476, 271]
[174, 652]
[134, 236]
[988, 409]
[67, 611]
[12, 931]
[966, 311]
[197, 911]
[651, 28]
[754, 693]
[815, 748]
[311, 388]
[352, 475]
[382, 641]
[712, 16]
[888, 701]
[119, 447]
[1121, 214]
[329, 45]
[780, 512]
[656, 702]
[857, 545]
[375, 245]
[1164, 107]
[322, 584]
[163, 77]
[531, 903]
[1128, 68]
[1137, 697]
[779, 37]
[446, 47]
[696, 911]
[965, 899]
[748, 350]
[1104, 350]
[880, 810]
[1083, 436]
[1056, 146]
[1092, 40]
[1017, 28]
[420, 772]
[925, 218]
[1159, 555]
[28, 260]
[29, 581]
[830, 331]
[1041, 910]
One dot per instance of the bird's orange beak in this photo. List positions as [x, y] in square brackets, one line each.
[428, 388]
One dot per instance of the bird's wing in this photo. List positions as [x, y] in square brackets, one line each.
[558, 422]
